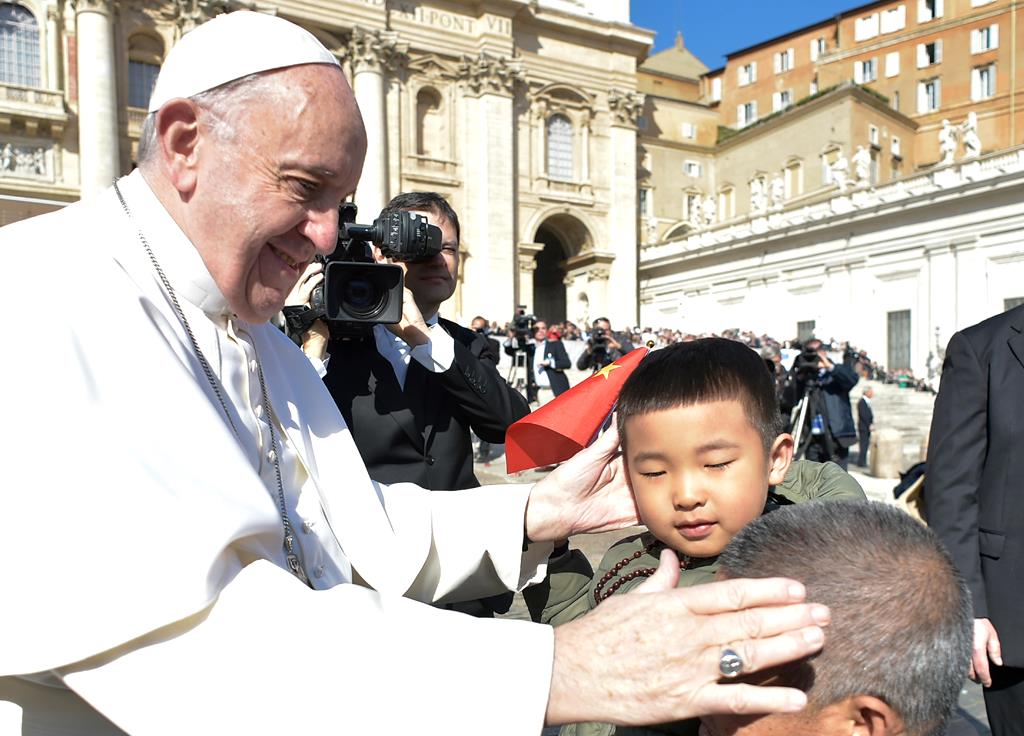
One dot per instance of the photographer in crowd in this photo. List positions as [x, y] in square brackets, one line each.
[546, 362]
[603, 348]
[823, 417]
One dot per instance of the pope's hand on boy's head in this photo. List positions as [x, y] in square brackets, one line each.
[585, 494]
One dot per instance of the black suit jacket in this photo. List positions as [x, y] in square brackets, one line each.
[421, 435]
[554, 351]
[865, 416]
[974, 488]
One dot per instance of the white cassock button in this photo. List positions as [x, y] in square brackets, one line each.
[259, 410]
[307, 526]
[271, 456]
[253, 366]
[319, 571]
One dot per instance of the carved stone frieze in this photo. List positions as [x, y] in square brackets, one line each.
[599, 273]
[25, 161]
[486, 74]
[375, 50]
[625, 106]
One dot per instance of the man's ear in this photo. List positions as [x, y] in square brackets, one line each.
[872, 716]
[779, 458]
[178, 136]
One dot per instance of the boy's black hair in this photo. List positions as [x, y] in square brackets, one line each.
[425, 202]
[710, 369]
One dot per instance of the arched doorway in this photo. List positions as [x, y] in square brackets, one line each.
[562, 237]
[549, 277]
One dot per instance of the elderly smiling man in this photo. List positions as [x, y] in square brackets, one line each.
[191, 543]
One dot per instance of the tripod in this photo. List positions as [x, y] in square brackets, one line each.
[811, 407]
[518, 374]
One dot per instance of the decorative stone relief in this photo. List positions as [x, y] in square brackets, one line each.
[758, 195]
[486, 74]
[840, 172]
[187, 14]
[375, 51]
[947, 143]
[862, 167]
[710, 210]
[777, 192]
[969, 135]
[599, 273]
[625, 106]
[25, 161]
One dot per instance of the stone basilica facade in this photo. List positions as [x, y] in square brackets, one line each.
[522, 113]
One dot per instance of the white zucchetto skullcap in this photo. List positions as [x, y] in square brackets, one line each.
[232, 46]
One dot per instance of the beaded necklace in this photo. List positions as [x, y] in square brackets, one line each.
[643, 572]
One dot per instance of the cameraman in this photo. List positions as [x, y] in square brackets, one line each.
[546, 361]
[411, 392]
[834, 381]
[603, 347]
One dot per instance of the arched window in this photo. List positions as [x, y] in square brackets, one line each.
[430, 128]
[145, 53]
[19, 46]
[559, 136]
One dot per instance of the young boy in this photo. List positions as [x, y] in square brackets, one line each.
[703, 444]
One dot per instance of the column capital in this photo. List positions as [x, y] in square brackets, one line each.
[187, 14]
[105, 7]
[625, 106]
[375, 51]
[486, 74]
[52, 13]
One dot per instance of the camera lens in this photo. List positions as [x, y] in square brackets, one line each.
[362, 298]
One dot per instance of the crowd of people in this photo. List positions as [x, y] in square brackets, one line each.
[213, 531]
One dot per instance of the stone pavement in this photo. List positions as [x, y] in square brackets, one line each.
[970, 719]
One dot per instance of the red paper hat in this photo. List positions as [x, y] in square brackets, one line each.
[563, 427]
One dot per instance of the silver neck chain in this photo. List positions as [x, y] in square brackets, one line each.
[294, 564]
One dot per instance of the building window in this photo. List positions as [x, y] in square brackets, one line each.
[894, 19]
[805, 330]
[430, 128]
[929, 95]
[748, 73]
[692, 168]
[983, 82]
[644, 202]
[746, 113]
[892, 63]
[873, 135]
[784, 61]
[894, 101]
[865, 71]
[726, 203]
[559, 131]
[1012, 303]
[689, 131]
[793, 178]
[817, 48]
[781, 100]
[141, 78]
[929, 53]
[899, 340]
[866, 27]
[19, 46]
[895, 146]
[928, 10]
[691, 206]
[716, 89]
[979, 3]
[985, 39]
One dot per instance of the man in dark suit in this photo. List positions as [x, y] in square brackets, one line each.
[546, 363]
[835, 380]
[974, 499]
[865, 421]
[480, 326]
[410, 393]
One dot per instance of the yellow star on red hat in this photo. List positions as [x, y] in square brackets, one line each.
[607, 369]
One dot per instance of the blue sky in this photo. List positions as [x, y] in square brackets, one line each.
[713, 28]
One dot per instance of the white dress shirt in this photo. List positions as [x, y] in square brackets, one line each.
[436, 355]
[540, 374]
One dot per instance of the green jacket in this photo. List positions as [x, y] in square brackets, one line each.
[568, 591]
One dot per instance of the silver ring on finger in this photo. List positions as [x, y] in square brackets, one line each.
[730, 664]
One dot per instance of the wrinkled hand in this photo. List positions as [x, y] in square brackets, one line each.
[986, 647]
[652, 656]
[413, 328]
[587, 493]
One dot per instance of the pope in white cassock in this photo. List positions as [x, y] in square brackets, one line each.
[184, 512]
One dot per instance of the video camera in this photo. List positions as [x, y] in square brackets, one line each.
[523, 324]
[806, 365]
[357, 292]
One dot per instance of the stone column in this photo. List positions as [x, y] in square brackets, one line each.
[372, 54]
[52, 78]
[624, 108]
[490, 184]
[527, 262]
[98, 141]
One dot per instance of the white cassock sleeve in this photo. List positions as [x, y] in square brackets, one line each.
[136, 548]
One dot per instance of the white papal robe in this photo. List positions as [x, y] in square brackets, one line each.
[141, 566]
